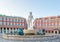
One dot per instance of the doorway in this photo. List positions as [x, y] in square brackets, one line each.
[55, 32]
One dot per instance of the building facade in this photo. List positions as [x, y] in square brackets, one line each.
[10, 24]
[50, 24]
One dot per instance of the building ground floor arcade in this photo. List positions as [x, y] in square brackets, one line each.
[8, 30]
[54, 31]
[13, 30]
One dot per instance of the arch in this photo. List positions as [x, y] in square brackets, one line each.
[52, 31]
[4, 30]
[1, 29]
[55, 32]
[46, 31]
[59, 32]
[49, 31]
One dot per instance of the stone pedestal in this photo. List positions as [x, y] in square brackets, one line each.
[29, 32]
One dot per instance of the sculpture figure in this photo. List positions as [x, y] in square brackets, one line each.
[30, 22]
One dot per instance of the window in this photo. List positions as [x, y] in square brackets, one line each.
[17, 23]
[52, 24]
[46, 24]
[22, 20]
[19, 20]
[14, 23]
[59, 23]
[0, 18]
[37, 24]
[16, 20]
[49, 23]
[0, 23]
[10, 23]
[7, 19]
[56, 23]
[4, 18]
[10, 19]
[40, 22]
[4, 23]
[22, 24]
[7, 23]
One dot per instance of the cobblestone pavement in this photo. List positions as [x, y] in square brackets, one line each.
[48, 39]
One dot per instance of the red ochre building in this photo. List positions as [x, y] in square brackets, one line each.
[9, 24]
[50, 24]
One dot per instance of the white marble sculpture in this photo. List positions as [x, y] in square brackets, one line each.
[30, 22]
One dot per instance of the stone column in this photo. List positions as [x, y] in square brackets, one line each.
[6, 30]
[13, 30]
[57, 32]
[9, 30]
[2, 30]
[54, 31]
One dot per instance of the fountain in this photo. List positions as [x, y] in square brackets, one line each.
[30, 30]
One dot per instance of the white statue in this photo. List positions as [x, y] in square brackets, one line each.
[30, 22]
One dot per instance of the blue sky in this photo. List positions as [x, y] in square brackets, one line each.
[39, 8]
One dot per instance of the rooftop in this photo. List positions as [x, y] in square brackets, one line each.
[12, 16]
